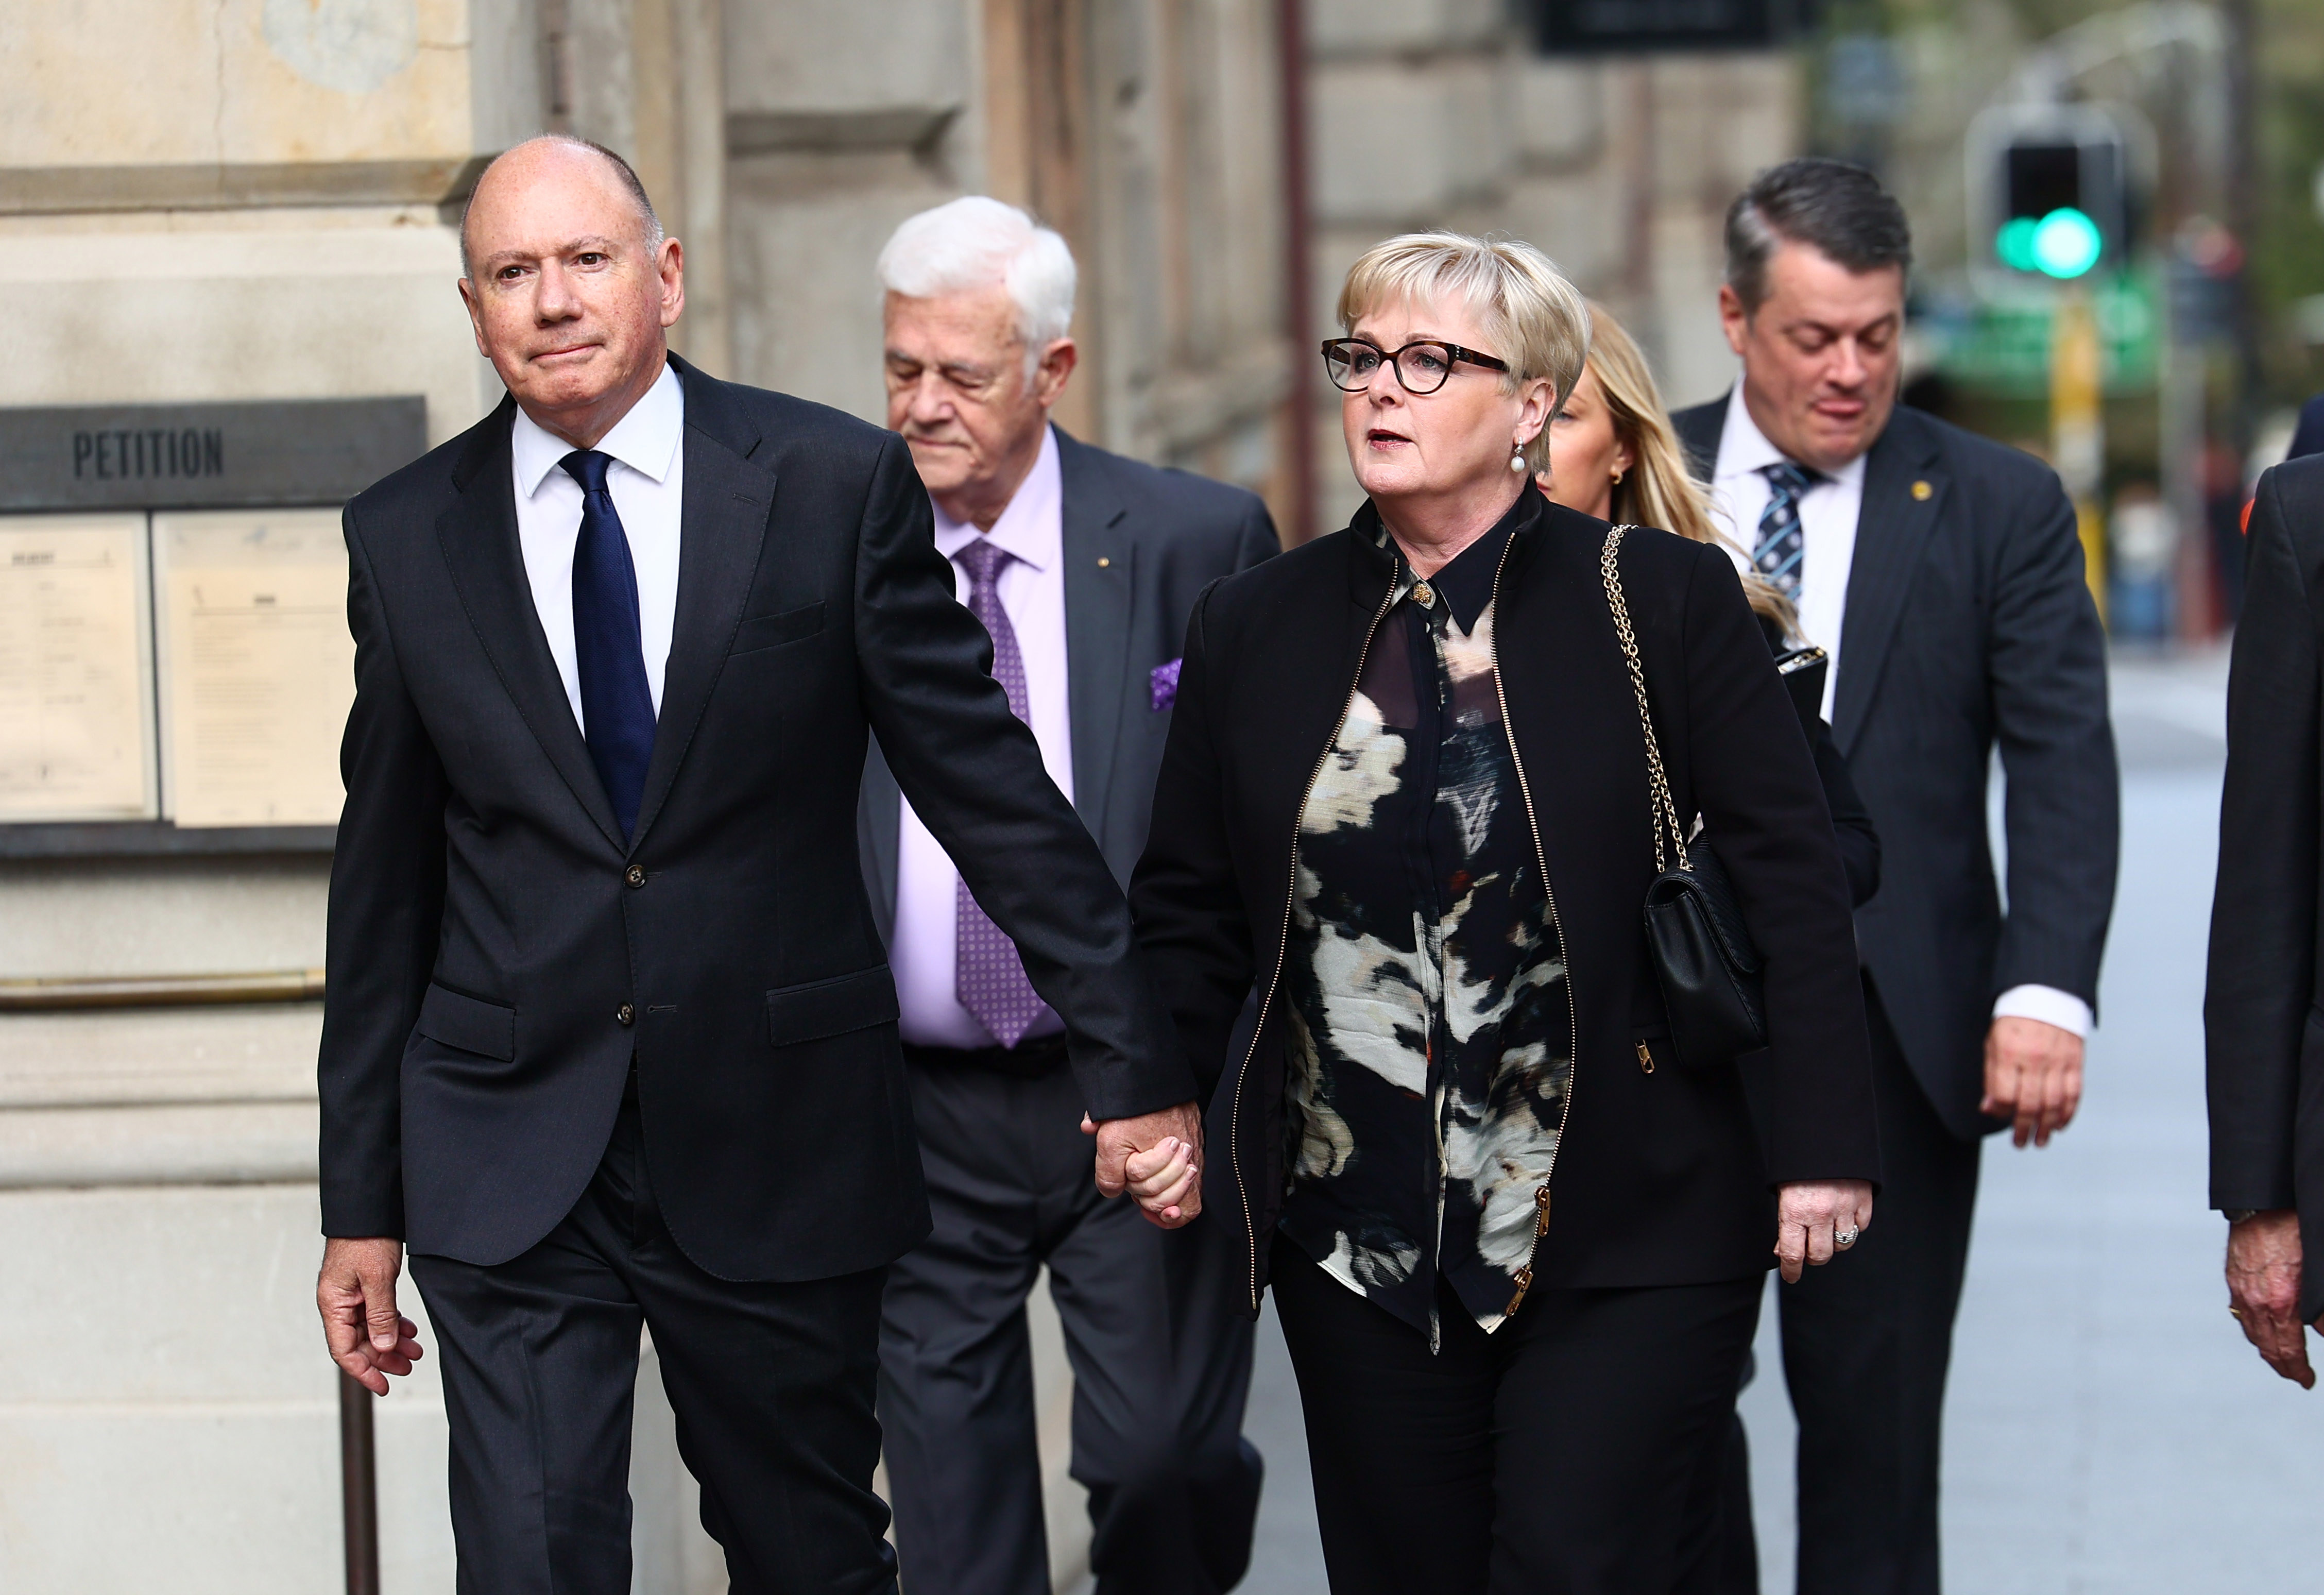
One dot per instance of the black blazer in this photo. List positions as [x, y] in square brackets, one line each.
[1661, 1178]
[1139, 545]
[499, 955]
[2264, 1033]
[1969, 627]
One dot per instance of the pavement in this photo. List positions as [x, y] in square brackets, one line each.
[2108, 1428]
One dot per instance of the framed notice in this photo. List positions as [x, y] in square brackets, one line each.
[76, 670]
[256, 665]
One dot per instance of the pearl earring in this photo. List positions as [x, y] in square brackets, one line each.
[1517, 459]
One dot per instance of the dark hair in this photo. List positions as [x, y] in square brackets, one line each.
[1840, 210]
[621, 169]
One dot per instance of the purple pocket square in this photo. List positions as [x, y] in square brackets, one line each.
[1162, 682]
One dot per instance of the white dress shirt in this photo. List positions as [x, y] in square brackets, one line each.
[1032, 591]
[648, 483]
[1829, 511]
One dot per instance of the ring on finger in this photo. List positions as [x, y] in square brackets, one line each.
[1844, 1238]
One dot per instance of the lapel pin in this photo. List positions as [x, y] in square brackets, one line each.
[1103, 562]
[1922, 490]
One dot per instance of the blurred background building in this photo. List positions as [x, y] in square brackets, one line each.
[238, 221]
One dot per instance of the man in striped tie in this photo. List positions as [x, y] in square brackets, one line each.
[1084, 566]
[1944, 574]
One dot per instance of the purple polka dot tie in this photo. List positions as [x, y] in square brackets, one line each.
[987, 977]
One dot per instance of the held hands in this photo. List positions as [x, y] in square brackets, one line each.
[2034, 1076]
[2264, 1290]
[1816, 1218]
[1156, 1158]
[355, 1294]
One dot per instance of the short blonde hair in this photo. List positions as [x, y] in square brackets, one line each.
[1537, 320]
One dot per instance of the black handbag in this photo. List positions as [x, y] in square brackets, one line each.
[1704, 958]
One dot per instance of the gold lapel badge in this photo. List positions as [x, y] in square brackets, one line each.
[1921, 491]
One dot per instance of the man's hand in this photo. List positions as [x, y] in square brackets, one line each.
[2033, 1075]
[355, 1294]
[1815, 1219]
[2264, 1290]
[1156, 1158]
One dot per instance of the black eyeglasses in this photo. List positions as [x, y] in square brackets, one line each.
[1422, 366]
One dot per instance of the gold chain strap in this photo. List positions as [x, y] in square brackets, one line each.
[1666, 811]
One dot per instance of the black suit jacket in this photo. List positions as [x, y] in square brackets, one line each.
[499, 955]
[1660, 1178]
[1162, 536]
[1970, 628]
[2264, 1034]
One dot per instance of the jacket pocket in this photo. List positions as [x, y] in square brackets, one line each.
[773, 631]
[831, 1008]
[467, 1023]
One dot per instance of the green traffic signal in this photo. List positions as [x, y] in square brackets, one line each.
[2015, 244]
[2065, 244]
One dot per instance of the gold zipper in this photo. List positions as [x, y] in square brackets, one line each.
[1283, 941]
[1524, 1275]
[1645, 1059]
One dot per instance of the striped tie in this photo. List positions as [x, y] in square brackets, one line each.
[1781, 543]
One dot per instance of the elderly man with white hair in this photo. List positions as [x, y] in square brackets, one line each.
[1084, 566]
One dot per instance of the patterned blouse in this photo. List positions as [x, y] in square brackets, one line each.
[1425, 976]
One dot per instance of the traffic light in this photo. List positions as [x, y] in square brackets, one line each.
[2063, 206]
[2056, 189]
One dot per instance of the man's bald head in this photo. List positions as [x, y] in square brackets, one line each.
[525, 159]
[571, 284]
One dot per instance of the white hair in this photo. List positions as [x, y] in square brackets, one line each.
[974, 242]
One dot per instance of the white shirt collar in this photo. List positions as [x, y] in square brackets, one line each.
[1744, 449]
[646, 439]
[1032, 527]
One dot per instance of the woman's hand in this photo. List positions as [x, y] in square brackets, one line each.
[1816, 1218]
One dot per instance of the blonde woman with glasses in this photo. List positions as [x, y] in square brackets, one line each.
[1516, 1244]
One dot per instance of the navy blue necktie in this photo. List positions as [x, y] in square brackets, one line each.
[617, 711]
[1781, 543]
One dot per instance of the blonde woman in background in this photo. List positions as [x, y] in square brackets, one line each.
[1613, 455]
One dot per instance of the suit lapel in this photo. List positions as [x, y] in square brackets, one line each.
[1700, 428]
[722, 530]
[478, 536]
[1100, 579]
[1904, 494]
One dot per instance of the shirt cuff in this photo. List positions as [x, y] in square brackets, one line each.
[2047, 1004]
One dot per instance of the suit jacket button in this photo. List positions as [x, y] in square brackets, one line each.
[637, 875]
[626, 1014]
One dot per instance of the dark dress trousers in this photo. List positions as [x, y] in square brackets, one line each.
[1967, 629]
[1662, 1213]
[590, 1079]
[1161, 1360]
[2264, 1033]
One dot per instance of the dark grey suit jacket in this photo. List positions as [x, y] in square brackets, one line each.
[502, 956]
[2263, 1033]
[1141, 544]
[1970, 628]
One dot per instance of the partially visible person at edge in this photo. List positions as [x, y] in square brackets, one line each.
[610, 1039]
[2260, 1023]
[1517, 1247]
[1944, 574]
[1083, 566]
[2308, 436]
[1613, 455]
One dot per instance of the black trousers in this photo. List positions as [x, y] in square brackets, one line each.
[772, 1383]
[1161, 1363]
[1868, 1341]
[1576, 1450]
